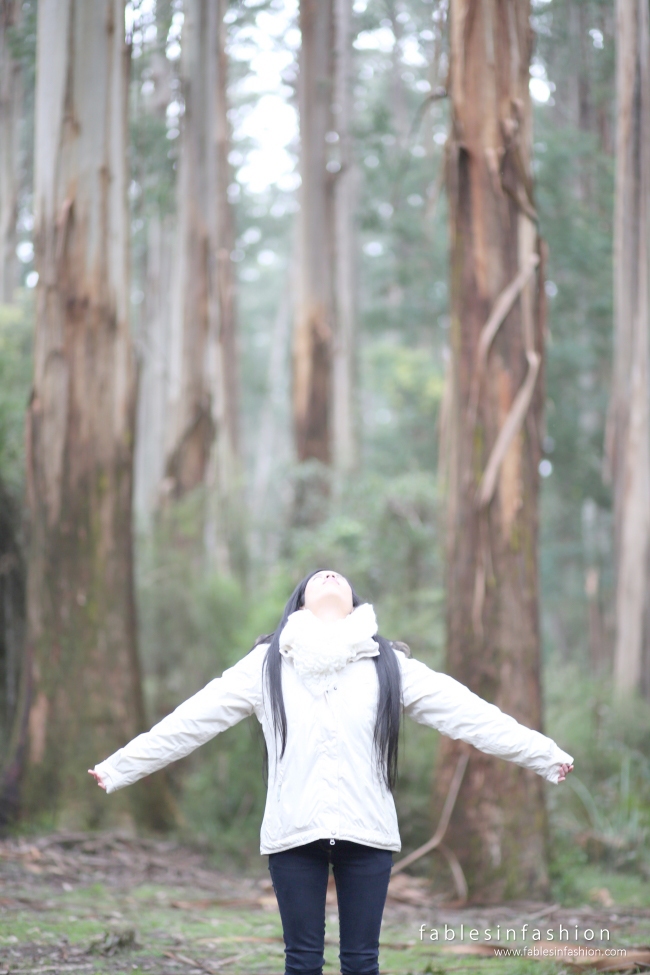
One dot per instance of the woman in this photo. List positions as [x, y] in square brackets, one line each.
[328, 692]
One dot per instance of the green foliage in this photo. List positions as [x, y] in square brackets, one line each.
[16, 330]
[574, 193]
[403, 389]
[602, 815]
[383, 535]
[566, 865]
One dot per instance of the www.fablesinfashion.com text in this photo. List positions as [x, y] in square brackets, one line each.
[523, 933]
[559, 951]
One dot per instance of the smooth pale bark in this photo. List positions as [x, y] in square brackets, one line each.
[272, 444]
[627, 447]
[345, 452]
[203, 380]
[81, 693]
[10, 105]
[498, 828]
[313, 329]
[224, 534]
[154, 359]
[227, 412]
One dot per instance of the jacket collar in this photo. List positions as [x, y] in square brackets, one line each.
[318, 649]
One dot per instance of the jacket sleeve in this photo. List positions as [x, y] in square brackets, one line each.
[219, 705]
[439, 701]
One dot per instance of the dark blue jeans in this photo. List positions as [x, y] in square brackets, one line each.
[361, 875]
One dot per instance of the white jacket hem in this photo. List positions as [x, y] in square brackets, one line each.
[366, 838]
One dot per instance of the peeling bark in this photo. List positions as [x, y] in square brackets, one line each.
[80, 696]
[324, 325]
[628, 432]
[493, 416]
[313, 330]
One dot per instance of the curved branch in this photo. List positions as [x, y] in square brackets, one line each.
[508, 431]
[501, 307]
[447, 810]
[456, 871]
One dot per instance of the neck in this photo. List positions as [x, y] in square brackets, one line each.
[329, 612]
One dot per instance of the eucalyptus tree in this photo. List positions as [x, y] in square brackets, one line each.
[492, 437]
[323, 346]
[80, 694]
[203, 383]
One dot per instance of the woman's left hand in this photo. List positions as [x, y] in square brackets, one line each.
[564, 771]
[98, 778]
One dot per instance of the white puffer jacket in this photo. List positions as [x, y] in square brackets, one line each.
[326, 785]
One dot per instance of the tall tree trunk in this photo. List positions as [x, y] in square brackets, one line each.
[152, 416]
[81, 693]
[344, 269]
[494, 414]
[313, 330]
[627, 444]
[10, 90]
[224, 528]
[204, 379]
[272, 447]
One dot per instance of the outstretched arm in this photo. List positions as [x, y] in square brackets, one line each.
[219, 705]
[439, 701]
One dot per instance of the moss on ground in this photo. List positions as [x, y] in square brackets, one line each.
[52, 922]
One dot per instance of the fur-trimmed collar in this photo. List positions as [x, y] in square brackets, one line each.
[320, 649]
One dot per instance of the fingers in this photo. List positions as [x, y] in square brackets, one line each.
[98, 779]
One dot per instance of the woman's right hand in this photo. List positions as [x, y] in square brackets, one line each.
[98, 778]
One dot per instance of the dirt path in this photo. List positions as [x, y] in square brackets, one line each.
[112, 903]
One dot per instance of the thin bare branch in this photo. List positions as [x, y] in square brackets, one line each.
[447, 810]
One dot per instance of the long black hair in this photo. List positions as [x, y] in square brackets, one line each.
[389, 707]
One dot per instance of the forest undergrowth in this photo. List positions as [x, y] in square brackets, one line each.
[114, 903]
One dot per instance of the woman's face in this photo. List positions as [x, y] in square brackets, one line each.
[328, 595]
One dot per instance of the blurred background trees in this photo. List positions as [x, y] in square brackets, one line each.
[304, 327]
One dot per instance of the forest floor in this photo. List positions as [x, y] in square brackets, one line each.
[113, 904]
